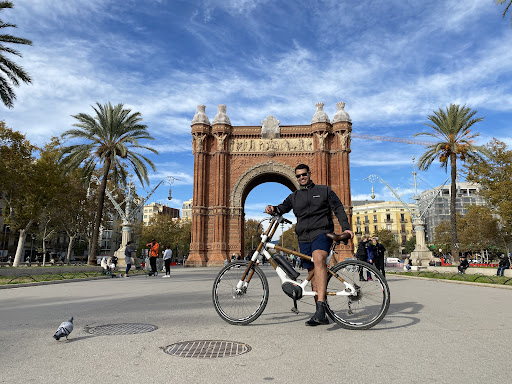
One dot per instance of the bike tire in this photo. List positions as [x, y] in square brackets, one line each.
[239, 307]
[369, 306]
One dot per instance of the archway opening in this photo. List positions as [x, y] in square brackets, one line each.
[266, 189]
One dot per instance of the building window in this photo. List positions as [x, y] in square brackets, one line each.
[374, 218]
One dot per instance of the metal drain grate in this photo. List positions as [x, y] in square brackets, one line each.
[207, 349]
[121, 329]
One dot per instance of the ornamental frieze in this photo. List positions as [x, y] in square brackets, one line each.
[304, 144]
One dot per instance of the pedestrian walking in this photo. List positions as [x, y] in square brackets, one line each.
[167, 261]
[153, 255]
[128, 251]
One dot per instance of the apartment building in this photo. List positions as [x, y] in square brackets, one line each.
[370, 216]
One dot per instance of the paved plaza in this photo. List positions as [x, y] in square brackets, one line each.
[435, 332]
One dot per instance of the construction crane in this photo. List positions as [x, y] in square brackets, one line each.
[387, 138]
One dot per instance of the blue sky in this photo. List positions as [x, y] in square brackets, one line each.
[392, 61]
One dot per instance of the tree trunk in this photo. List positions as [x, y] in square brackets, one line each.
[70, 247]
[453, 215]
[99, 212]
[21, 243]
[44, 252]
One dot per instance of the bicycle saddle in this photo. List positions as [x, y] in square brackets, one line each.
[338, 238]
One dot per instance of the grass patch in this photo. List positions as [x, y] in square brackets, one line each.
[27, 278]
[504, 280]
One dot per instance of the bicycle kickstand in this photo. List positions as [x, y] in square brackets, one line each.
[295, 309]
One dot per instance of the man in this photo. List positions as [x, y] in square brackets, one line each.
[312, 205]
[379, 255]
[365, 252]
[153, 255]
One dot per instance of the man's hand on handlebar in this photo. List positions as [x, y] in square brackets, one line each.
[269, 209]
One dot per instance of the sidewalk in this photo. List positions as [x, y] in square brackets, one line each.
[423, 327]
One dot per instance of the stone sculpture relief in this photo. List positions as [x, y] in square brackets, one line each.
[270, 128]
[266, 145]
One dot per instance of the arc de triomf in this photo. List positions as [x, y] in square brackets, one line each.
[229, 161]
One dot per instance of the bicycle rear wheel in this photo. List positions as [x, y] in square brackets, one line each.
[239, 306]
[368, 306]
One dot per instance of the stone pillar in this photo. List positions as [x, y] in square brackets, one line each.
[342, 128]
[221, 128]
[321, 127]
[201, 129]
[421, 254]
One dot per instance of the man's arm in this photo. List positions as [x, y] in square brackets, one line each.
[284, 207]
[339, 211]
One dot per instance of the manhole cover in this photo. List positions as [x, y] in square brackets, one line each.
[207, 349]
[121, 329]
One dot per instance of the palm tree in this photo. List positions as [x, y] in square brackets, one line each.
[112, 135]
[506, 7]
[13, 72]
[455, 140]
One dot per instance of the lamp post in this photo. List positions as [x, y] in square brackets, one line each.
[131, 209]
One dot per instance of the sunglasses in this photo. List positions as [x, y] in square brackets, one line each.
[301, 175]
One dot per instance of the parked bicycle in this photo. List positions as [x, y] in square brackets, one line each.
[240, 290]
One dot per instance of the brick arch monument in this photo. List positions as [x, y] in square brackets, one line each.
[230, 161]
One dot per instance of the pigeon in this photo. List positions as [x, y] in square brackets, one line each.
[65, 328]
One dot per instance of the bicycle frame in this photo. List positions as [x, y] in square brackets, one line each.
[262, 249]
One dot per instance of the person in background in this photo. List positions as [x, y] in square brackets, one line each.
[128, 251]
[379, 255]
[153, 255]
[464, 264]
[365, 252]
[504, 264]
[167, 261]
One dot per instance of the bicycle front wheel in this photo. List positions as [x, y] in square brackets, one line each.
[240, 306]
[370, 302]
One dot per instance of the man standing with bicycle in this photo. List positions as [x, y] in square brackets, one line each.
[312, 205]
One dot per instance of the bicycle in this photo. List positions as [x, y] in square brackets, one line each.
[240, 290]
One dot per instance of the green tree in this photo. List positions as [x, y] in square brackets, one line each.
[12, 73]
[478, 229]
[169, 232]
[509, 3]
[387, 239]
[442, 236]
[494, 178]
[410, 245]
[452, 130]
[252, 233]
[17, 173]
[289, 239]
[112, 137]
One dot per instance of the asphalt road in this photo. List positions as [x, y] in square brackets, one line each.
[435, 332]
